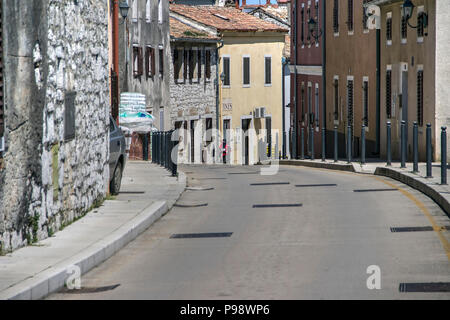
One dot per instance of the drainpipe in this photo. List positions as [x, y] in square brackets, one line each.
[294, 42]
[324, 69]
[283, 141]
[378, 101]
[115, 53]
[218, 89]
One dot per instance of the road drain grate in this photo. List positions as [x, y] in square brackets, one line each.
[201, 235]
[374, 190]
[416, 229]
[316, 185]
[425, 287]
[90, 290]
[286, 205]
[269, 184]
[189, 205]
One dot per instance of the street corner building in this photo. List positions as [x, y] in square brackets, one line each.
[250, 83]
[54, 113]
[193, 90]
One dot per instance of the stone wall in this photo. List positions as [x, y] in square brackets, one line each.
[53, 48]
[194, 100]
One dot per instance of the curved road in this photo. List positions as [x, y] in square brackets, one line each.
[319, 250]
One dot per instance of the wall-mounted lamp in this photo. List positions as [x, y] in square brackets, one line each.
[407, 10]
[124, 8]
[313, 29]
[222, 77]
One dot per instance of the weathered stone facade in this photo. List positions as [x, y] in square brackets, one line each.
[56, 76]
[193, 101]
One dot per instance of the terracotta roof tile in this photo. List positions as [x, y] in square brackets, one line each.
[225, 18]
[180, 30]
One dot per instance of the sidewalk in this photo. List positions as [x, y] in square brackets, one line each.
[147, 193]
[431, 187]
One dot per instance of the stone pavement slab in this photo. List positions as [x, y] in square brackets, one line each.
[148, 191]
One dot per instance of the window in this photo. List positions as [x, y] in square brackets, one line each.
[148, 11]
[69, 115]
[336, 99]
[308, 37]
[316, 31]
[199, 59]
[365, 19]
[160, 11]
[420, 97]
[350, 102]
[389, 93]
[161, 62]
[226, 71]
[149, 62]
[268, 69]
[336, 16]
[193, 64]
[389, 28]
[178, 57]
[302, 35]
[137, 61]
[246, 71]
[186, 64]
[404, 29]
[134, 11]
[350, 15]
[420, 24]
[366, 102]
[208, 64]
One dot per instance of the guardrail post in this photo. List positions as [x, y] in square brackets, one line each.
[363, 144]
[388, 144]
[302, 142]
[403, 144]
[415, 147]
[444, 155]
[429, 152]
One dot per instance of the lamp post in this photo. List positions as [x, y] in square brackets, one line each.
[407, 10]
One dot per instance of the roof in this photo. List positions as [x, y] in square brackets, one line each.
[180, 30]
[225, 18]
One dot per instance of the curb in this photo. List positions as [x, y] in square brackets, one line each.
[53, 279]
[324, 165]
[417, 184]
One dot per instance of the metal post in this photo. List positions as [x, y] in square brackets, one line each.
[388, 144]
[444, 155]
[145, 147]
[323, 145]
[349, 144]
[312, 142]
[403, 144]
[416, 147]
[429, 152]
[302, 157]
[335, 143]
[363, 144]
[175, 147]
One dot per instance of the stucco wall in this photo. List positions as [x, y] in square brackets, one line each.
[51, 48]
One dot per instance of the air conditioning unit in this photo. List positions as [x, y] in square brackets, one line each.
[257, 113]
[262, 112]
[2, 144]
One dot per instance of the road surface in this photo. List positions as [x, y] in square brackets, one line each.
[319, 245]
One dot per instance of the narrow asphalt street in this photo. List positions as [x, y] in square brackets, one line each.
[319, 246]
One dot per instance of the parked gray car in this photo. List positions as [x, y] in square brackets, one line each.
[117, 156]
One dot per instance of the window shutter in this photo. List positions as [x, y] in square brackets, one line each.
[366, 103]
[365, 18]
[350, 15]
[336, 99]
[389, 29]
[186, 63]
[140, 62]
[246, 65]
[147, 62]
[161, 62]
[404, 27]
[208, 64]
[350, 103]
[420, 97]
[336, 16]
[420, 24]
[388, 94]
[302, 36]
[226, 69]
[199, 64]
[268, 70]
[152, 54]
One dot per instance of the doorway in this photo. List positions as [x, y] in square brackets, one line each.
[245, 127]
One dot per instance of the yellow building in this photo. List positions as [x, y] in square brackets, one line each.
[250, 68]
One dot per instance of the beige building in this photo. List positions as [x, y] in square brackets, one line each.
[250, 68]
[415, 71]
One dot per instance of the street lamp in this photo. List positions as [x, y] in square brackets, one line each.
[312, 26]
[407, 10]
[123, 7]
[222, 77]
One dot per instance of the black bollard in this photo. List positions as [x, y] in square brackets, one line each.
[311, 130]
[429, 152]
[335, 143]
[415, 147]
[349, 144]
[323, 145]
[388, 144]
[444, 155]
[363, 144]
[302, 144]
[403, 144]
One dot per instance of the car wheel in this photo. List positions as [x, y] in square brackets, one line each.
[117, 179]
